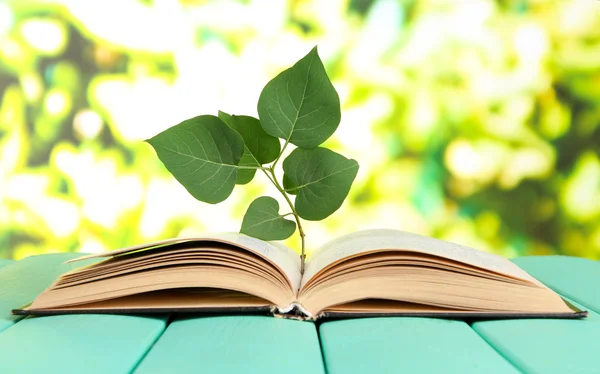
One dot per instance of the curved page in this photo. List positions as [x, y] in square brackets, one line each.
[387, 239]
[279, 255]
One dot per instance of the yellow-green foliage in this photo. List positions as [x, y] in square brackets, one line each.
[475, 121]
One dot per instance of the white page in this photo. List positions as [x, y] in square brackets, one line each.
[280, 255]
[387, 239]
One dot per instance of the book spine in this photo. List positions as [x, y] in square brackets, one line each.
[293, 311]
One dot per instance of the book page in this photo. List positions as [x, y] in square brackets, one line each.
[278, 254]
[387, 239]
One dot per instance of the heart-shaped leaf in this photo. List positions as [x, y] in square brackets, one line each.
[203, 154]
[322, 180]
[259, 147]
[300, 104]
[263, 221]
[289, 186]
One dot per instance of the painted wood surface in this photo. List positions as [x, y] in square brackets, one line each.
[4, 262]
[78, 343]
[21, 281]
[230, 344]
[407, 345]
[551, 345]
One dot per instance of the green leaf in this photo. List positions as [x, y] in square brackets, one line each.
[322, 179]
[259, 147]
[300, 104]
[244, 176]
[202, 153]
[289, 186]
[263, 221]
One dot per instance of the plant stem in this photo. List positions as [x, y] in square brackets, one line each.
[278, 157]
[252, 167]
[273, 179]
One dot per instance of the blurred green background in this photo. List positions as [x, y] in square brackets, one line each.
[473, 121]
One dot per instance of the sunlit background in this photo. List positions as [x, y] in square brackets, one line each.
[473, 121]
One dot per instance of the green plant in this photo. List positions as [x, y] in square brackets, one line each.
[209, 155]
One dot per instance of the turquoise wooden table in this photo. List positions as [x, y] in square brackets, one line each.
[244, 344]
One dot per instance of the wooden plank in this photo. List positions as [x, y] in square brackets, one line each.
[574, 277]
[70, 343]
[84, 343]
[235, 344]
[4, 261]
[552, 345]
[407, 345]
[21, 281]
[546, 345]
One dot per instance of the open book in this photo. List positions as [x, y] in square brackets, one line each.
[366, 273]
